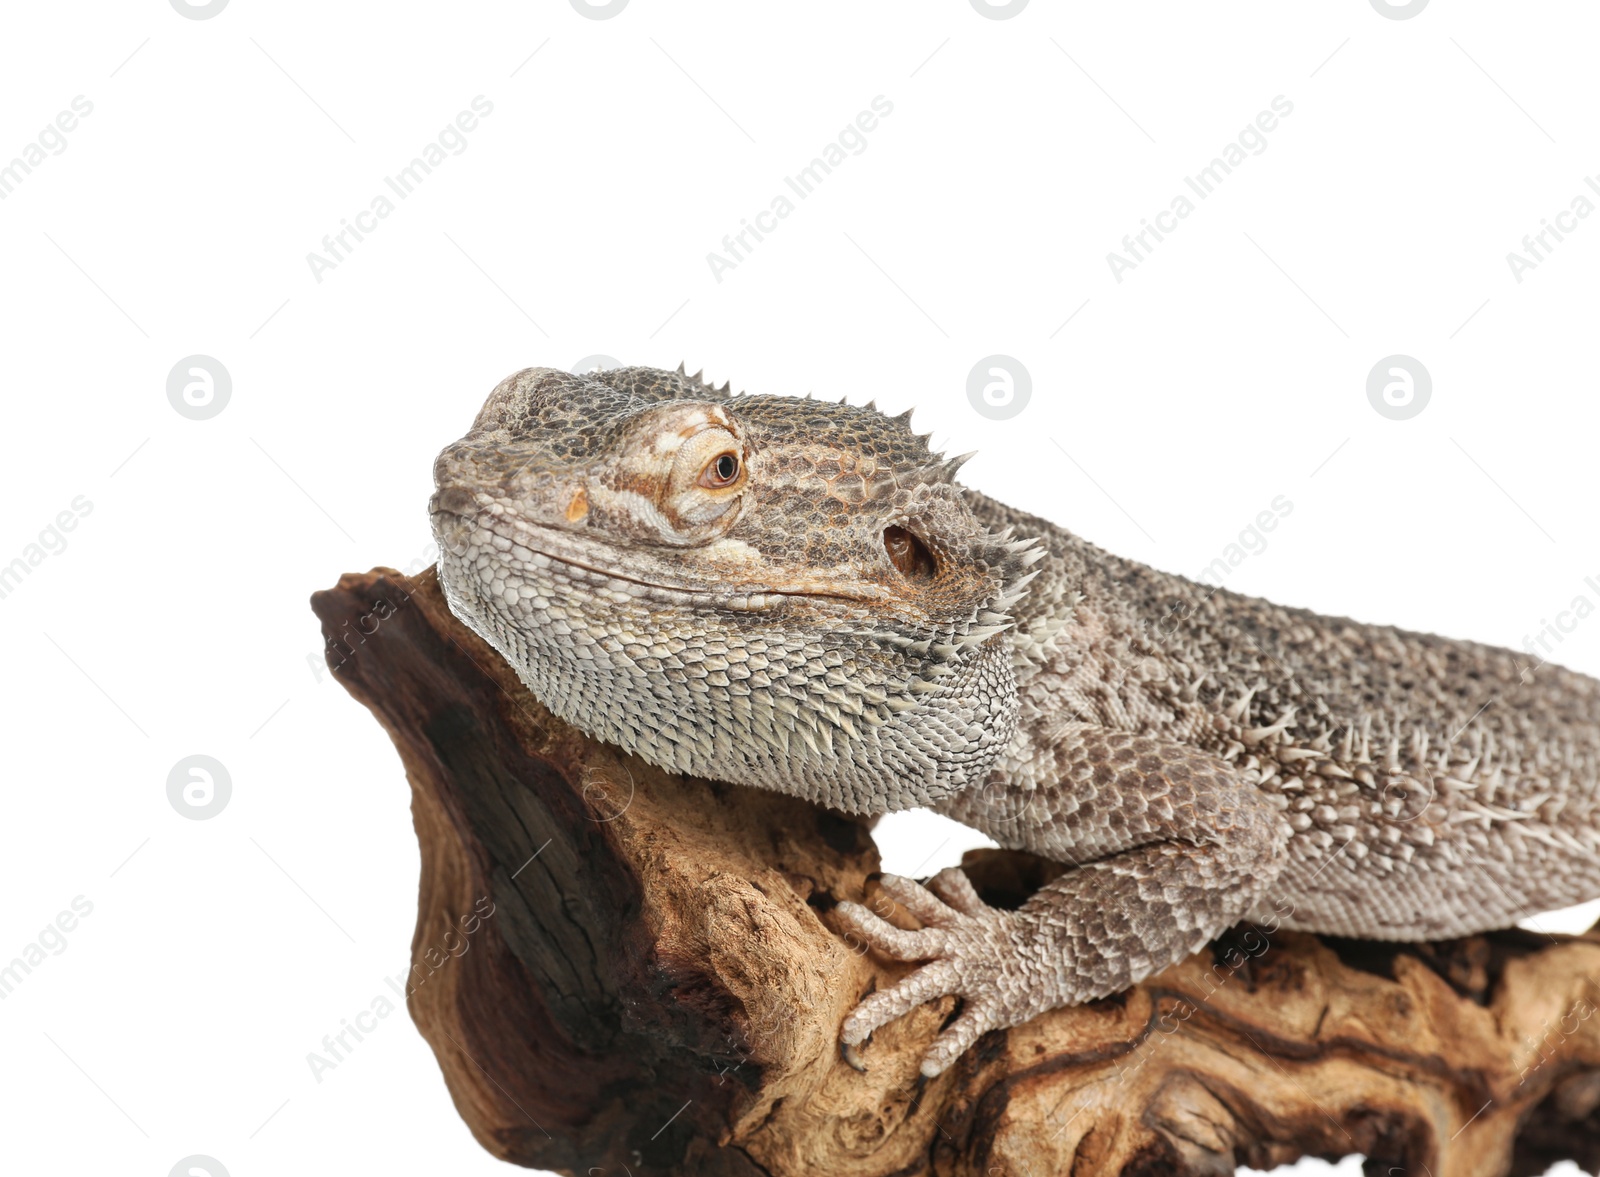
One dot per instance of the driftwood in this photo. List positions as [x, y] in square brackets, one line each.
[622, 971]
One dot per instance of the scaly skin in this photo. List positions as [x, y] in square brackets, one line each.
[840, 620]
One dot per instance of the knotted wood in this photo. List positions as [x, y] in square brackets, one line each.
[623, 971]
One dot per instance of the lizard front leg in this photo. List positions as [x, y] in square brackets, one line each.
[1169, 846]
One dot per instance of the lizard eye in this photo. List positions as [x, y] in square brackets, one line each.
[722, 471]
[909, 554]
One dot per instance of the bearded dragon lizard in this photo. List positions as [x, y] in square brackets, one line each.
[799, 595]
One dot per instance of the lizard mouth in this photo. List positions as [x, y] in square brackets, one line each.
[589, 559]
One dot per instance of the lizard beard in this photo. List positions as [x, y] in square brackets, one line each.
[830, 712]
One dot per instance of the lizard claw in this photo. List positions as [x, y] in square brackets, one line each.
[973, 950]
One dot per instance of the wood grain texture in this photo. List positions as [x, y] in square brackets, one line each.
[658, 985]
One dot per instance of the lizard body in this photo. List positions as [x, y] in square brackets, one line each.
[799, 595]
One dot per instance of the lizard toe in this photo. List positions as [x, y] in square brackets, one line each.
[955, 889]
[917, 899]
[976, 1020]
[867, 930]
[929, 982]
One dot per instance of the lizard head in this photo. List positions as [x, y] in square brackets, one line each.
[770, 590]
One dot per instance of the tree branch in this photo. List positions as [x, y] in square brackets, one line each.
[625, 971]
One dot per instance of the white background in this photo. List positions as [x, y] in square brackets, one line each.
[1226, 369]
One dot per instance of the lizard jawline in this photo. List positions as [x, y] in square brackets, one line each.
[753, 600]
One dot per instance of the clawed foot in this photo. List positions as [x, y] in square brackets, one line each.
[975, 953]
